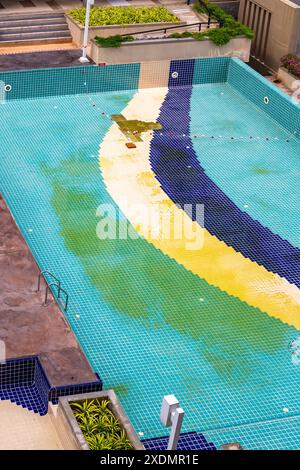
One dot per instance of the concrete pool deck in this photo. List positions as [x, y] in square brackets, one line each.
[41, 59]
[26, 326]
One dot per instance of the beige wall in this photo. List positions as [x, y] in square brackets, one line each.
[276, 23]
[169, 49]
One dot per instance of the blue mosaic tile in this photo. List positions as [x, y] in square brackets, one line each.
[42, 83]
[181, 73]
[184, 180]
[211, 70]
[24, 382]
[255, 87]
[187, 441]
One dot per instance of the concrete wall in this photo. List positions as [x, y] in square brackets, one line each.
[77, 30]
[230, 6]
[169, 49]
[289, 80]
[276, 23]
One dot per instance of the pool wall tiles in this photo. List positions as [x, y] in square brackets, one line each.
[211, 70]
[254, 87]
[199, 71]
[24, 382]
[30, 84]
[181, 73]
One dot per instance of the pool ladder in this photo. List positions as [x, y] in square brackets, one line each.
[49, 287]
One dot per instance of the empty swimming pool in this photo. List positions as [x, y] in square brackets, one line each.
[213, 325]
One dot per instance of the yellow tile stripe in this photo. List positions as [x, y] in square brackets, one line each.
[130, 181]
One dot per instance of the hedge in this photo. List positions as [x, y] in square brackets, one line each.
[124, 15]
[230, 27]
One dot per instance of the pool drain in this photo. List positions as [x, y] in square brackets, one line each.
[266, 100]
[7, 88]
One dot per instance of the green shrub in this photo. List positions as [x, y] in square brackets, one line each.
[101, 429]
[124, 15]
[219, 36]
[113, 41]
[230, 27]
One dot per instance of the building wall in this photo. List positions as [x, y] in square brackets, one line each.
[230, 6]
[276, 24]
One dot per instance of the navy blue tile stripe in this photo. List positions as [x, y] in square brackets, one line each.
[183, 179]
[184, 73]
[187, 441]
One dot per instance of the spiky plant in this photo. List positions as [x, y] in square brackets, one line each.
[101, 429]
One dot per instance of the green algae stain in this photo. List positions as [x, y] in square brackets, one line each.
[261, 171]
[136, 279]
[134, 128]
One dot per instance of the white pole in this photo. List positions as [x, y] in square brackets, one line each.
[83, 58]
[177, 419]
[172, 415]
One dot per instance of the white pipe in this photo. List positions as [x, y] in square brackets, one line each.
[84, 58]
[177, 419]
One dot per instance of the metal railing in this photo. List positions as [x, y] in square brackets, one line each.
[42, 274]
[208, 23]
[49, 287]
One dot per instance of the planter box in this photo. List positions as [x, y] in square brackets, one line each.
[169, 49]
[288, 80]
[77, 30]
[70, 433]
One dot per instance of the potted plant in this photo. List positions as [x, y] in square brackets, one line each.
[289, 71]
[95, 421]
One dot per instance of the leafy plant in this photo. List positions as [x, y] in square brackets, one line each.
[219, 36]
[99, 442]
[121, 441]
[230, 27]
[84, 409]
[101, 16]
[292, 63]
[88, 424]
[101, 429]
[113, 41]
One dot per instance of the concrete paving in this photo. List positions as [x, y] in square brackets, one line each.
[41, 59]
[26, 326]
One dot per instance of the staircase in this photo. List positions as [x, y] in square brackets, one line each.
[34, 28]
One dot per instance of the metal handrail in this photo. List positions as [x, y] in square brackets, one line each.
[199, 23]
[59, 290]
[209, 13]
[42, 274]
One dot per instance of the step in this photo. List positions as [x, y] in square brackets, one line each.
[34, 29]
[31, 16]
[32, 36]
[33, 42]
[32, 22]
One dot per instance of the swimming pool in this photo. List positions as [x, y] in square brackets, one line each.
[212, 326]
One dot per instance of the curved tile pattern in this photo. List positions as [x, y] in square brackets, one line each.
[129, 179]
[181, 176]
